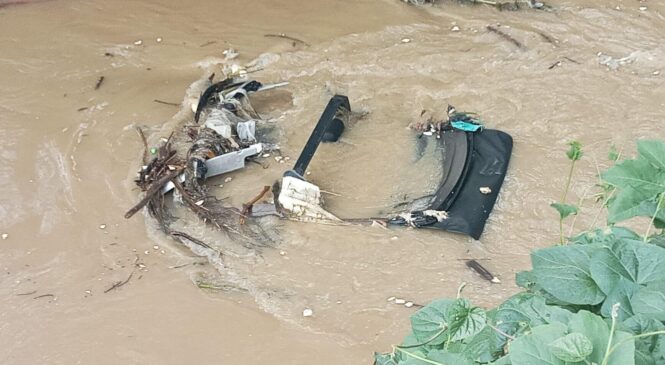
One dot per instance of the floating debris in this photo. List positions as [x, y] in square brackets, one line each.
[408, 304]
[159, 39]
[138, 42]
[390, 299]
[477, 267]
[5, 236]
[400, 301]
[307, 312]
[506, 36]
[102, 226]
[485, 190]
[406, 40]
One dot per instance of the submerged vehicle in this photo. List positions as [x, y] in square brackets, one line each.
[474, 163]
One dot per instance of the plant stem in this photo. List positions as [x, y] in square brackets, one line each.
[653, 219]
[605, 201]
[570, 178]
[561, 240]
[611, 350]
[563, 199]
[501, 332]
[424, 343]
[419, 357]
[579, 209]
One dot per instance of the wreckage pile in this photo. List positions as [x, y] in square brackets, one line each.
[196, 151]
[474, 159]
[499, 4]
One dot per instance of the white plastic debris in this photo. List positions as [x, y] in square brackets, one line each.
[102, 226]
[138, 42]
[406, 40]
[199, 203]
[400, 301]
[228, 179]
[408, 304]
[455, 28]
[159, 39]
[230, 53]
[5, 236]
[485, 190]
[155, 247]
[246, 130]
[307, 312]
[219, 122]
[303, 200]
[390, 299]
[643, 8]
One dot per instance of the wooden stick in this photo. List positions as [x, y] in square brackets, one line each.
[282, 35]
[165, 102]
[99, 83]
[145, 144]
[155, 187]
[247, 207]
[505, 36]
[120, 283]
[189, 238]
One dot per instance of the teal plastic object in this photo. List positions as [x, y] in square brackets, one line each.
[466, 126]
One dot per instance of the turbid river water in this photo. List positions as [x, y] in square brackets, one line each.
[69, 153]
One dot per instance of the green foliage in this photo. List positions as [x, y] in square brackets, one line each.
[573, 347]
[600, 299]
[574, 151]
[564, 209]
[640, 185]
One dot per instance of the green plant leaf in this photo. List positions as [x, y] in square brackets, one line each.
[573, 347]
[575, 151]
[648, 350]
[383, 359]
[598, 332]
[564, 209]
[638, 262]
[613, 155]
[650, 301]
[503, 361]
[409, 341]
[564, 272]
[652, 151]
[454, 319]
[430, 320]
[631, 202]
[638, 174]
[532, 349]
[606, 236]
[521, 312]
[526, 279]
[447, 358]
[482, 347]
[465, 320]
[622, 293]
[657, 239]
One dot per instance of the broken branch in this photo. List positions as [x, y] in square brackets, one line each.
[154, 189]
[120, 283]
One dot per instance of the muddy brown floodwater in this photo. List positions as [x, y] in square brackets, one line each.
[69, 153]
